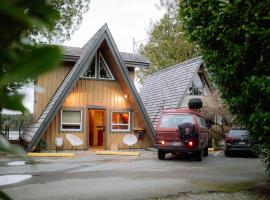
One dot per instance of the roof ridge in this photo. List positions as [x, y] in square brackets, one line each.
[176, 65]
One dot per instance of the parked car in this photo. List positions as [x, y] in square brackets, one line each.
[237, 140]
[183, 130]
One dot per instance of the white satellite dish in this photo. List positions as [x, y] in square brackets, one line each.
[130, 139]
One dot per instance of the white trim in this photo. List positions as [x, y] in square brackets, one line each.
[106, 65]
[113, 124]
[95, 57]
[70, 130]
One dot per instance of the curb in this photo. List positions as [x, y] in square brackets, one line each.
[51, 154]
[118, 153]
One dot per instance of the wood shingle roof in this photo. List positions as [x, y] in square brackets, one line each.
[165, 89]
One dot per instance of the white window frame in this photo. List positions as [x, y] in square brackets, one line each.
[71, 130]
[113, 124]
[108, 69]
[96, 69]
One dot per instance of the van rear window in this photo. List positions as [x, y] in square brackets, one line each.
[172, 121]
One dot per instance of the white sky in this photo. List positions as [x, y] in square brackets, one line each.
[127, 19]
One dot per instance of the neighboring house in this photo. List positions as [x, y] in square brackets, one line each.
[92, 96]
[174, 86]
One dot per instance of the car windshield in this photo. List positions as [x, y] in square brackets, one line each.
[172, 121]
[238, 133]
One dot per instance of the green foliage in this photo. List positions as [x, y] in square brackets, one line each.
[234, 38]
[20, 59]
[71, 15]
[167, 44]
[16, 122]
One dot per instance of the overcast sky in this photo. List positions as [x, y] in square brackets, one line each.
[127, 19]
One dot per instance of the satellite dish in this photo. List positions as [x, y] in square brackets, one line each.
[130, 139]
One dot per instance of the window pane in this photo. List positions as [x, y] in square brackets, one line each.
[90, 72]
[71, 126]
[104, 71]
[71, 116]
[173, 121]
[120, 118]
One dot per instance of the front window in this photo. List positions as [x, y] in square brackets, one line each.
[71, 120]
[120, 121]
[173, 121]
[238, 133]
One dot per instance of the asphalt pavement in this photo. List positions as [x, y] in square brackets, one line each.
[90, 176]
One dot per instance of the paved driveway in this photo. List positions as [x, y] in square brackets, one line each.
[88, 176]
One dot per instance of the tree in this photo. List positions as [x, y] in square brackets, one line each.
[234, 39]
[70, 17]
[213, 107]
[167, 45]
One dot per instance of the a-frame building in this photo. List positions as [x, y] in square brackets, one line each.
[93, 98]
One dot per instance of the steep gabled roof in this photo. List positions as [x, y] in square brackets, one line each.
[34, 133]
[165, 89]
[72, 54]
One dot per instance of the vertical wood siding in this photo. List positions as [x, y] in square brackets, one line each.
[49, 82]
[105, 93]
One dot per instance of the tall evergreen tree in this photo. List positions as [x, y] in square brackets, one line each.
[166, 44]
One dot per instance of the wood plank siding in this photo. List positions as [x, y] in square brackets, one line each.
[49, 82]
[96, 94]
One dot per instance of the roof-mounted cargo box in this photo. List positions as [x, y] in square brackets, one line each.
[195, 103]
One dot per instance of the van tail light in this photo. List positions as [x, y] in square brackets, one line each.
[160, 142]
[229, 139]
[190, 143]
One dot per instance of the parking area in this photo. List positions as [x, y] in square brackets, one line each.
[90, 176]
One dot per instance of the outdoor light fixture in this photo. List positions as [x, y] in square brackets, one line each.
[125, 96]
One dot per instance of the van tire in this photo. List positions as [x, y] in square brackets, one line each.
[227, 153]
[161, 155]
[199, 155]
[205, 151]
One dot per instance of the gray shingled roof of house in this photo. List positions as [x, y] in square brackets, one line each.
[34, 133]
[130, 59]
[165, 89]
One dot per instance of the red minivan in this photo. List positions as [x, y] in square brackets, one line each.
[183, 130]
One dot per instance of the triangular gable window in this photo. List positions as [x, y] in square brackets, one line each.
[104, 71]
[90, 72]
[98, 65]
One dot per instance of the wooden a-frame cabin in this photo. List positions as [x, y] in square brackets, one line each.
[91, 95]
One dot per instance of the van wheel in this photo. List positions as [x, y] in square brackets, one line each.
[161, 155]
[227, 153]
[199, 155]
[205, 151]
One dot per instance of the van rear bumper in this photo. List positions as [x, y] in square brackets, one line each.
[176, 149]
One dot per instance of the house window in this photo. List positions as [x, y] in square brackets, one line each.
[98, 69]
[120, 121]
[104, 72]
[90, 72]
[71, 120]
